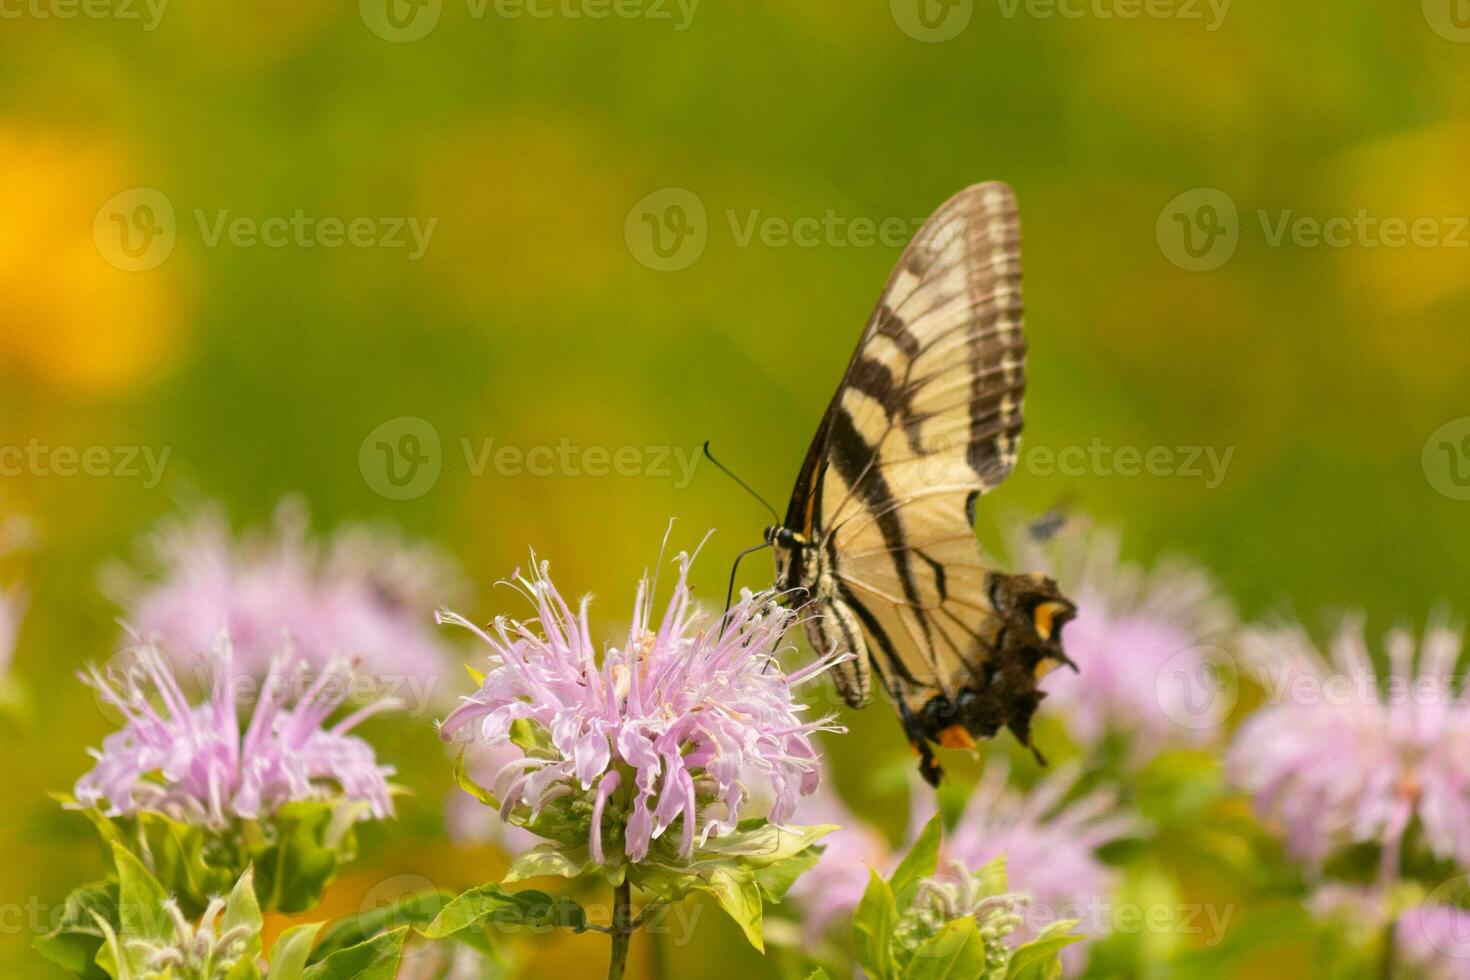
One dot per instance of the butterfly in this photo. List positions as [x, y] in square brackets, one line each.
[878, 542]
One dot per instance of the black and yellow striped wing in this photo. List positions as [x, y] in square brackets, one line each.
[928, 418]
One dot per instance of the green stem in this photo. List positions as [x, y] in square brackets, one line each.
[622, 930]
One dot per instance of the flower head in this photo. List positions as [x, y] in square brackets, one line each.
[1049, 844]
[1049, 848]
[198, 764]
[957, 893]
[1434, 942]
[668, 730]
[1343, 755]
[829, 892]
[363, 594]
[205, 951]
[1138, 632]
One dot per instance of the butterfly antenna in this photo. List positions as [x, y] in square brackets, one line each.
[730, 592]
[746, 486]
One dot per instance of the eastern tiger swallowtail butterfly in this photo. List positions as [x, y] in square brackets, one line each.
[878, 540]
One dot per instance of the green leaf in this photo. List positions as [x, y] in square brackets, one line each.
[244, 969]
[956, 952]
[993, 877]
[413, 910]
[919, 863]
[110, 957]
[291, 951]
[819, 974]
[547, 861]
[776, 879]
[74, 942]
[487, 905]
[872, 929]
[464, 781]
[531, 738]
[312, 839]
[140, 900]
[375, 959]
[1039, 959]
[735, 889]
[242, 909]
[295, 854]
[758, 843]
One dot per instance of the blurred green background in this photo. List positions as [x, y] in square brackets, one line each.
[535, 316]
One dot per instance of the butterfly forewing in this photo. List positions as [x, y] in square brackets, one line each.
[927, 419]
[930, 412]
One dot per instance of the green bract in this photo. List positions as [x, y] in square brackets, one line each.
[916, 926]
[130, 929]
[295, 853]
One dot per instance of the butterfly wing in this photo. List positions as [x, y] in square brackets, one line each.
[927, 418]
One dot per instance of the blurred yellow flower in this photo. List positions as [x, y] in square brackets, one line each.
[72, 318]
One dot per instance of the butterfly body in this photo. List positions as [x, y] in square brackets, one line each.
[878, 541]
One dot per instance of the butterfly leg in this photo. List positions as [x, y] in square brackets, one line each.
[835, 629]
[929, 767]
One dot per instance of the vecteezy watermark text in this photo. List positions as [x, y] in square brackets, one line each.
[307, 231]
[1199, 229]
[1210, 12]
[148, 12]
[137, 229]
[1208, 463]
[402, 458]
[402, 21]
[668, 229]
[935, 21]
[35, 458]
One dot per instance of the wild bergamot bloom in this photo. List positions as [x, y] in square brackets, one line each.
[362, 593]
[1344, 755]
[1049, 838]
[1143, 639]
[663, 734]
[199, 765]
[954, 894]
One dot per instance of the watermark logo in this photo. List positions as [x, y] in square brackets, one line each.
[1450, 19]
[401, 458]
[667, 230]
[1199, 229]
[136, 230]
[932, 21]
[1446, 459]
[400, 21]
[1197, 688]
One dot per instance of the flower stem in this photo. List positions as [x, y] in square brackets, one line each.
[622, 930]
